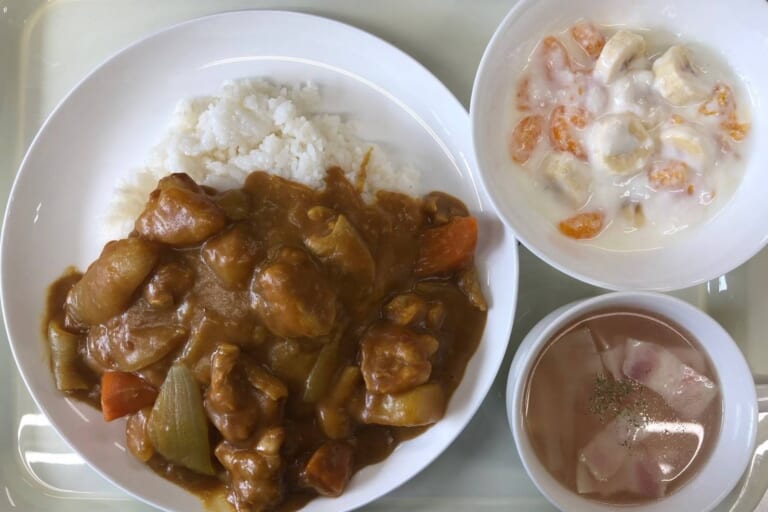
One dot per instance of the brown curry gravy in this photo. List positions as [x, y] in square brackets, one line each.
[272, 211]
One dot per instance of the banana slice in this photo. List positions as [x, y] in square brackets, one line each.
[677, 78]
[685, 143]
[619, 143]
[569, 177]
[617, 55]
[634, 92]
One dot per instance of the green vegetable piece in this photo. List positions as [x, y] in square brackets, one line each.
[64, 358]
[178, 427]
[320, 377]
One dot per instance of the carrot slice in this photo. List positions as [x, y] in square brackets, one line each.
[124, 393]
[447, 248]
[583, 225]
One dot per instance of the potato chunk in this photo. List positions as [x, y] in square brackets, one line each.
[107, 287]
[126, 346]
[292, 298]
[422, 405]
[395, 359]
[232, 256]
[406, 309]
[330, 468]
[169, 284]
[179, 214]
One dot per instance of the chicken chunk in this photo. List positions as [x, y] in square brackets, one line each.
[422, 405]
[408, 309]
[107, 287]
[196, 354]
[222, 390]
[441, 208]
[223, 399]
[179, 180]
[254, 472]
[232, 256]
[344, 249]
[179, 214]
[292, 298]
[330, 468]
[169, 284]
[265, 382]
[236, 203]
[395, 359]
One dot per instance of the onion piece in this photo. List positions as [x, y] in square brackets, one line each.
[178, 427]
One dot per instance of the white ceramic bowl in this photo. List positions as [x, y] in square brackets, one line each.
[105, 128]
[738, 428]
[736, 31]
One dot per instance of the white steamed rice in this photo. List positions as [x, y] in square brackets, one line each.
[251, 125]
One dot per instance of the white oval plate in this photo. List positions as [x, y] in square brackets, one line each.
[105, 127]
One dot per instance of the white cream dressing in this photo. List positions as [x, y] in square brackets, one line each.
[714, 172]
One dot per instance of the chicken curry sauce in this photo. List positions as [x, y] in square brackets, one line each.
[267, 342]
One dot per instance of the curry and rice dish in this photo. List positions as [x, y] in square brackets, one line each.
[269, 341]
[276, 309]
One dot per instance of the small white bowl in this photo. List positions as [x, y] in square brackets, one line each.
[734, 30]
[738, 429]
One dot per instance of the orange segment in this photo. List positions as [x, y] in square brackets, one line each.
[556, 58]
[583, 225]
[562, 121]
[720, 103]
[589, 38]
[525, 137]
[735, 129]
[669, 175]
[524, 94]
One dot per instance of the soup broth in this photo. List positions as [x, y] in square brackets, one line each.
[622, 407]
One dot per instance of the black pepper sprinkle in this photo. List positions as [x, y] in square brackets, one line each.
[611, 398]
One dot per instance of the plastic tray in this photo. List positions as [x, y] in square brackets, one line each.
[46, 47]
